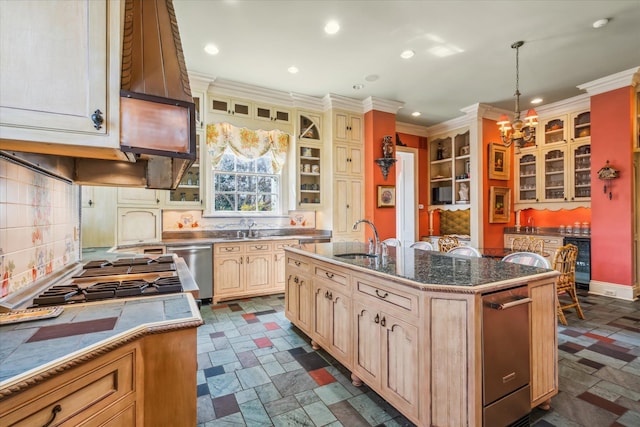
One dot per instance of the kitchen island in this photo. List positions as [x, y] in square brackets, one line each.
[121, 362]
[413, 326]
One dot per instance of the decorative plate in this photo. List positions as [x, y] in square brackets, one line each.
[17, 316]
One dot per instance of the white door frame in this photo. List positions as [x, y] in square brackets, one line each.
[406, 210]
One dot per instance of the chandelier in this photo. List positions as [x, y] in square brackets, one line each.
[518, 132]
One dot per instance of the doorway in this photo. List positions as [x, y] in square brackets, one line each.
[406, 195]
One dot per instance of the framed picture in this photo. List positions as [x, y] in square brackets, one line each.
[386, 196]
[499, 164]
[499, 204]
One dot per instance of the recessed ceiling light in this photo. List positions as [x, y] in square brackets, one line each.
[416, 113]
[372, 77]
[406, 54]
[211, 49]
[536, 100]
[293, 69]
[600, 23]
[358, 86]
[332, 27]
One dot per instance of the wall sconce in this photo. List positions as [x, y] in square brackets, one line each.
[607, 174]
[388, 160]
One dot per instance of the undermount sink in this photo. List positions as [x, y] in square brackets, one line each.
[356, 255]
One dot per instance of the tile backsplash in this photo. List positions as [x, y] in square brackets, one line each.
[39, 223]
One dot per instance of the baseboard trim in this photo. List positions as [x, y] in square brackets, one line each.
[614, 290]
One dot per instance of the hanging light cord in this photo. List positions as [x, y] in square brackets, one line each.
[516, 46]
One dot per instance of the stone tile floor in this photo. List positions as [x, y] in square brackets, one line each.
[256, 369]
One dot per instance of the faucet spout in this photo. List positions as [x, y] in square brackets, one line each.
[375, 231]
[250, 231]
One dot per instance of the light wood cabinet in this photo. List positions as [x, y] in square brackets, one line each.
[272, 114]
[104, 389]
[348, 160]
[348, 127]
[139, 225]
[347, 207]
[243, 269]
[298, 293]
[66, 100]
[230, 107]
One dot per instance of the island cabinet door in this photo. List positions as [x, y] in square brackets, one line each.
[298, 301]
[331, 322]
[387, 357]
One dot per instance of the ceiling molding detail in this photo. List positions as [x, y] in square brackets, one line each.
[332, 101]
[630, 77]
[307, 102]
[577, 103]
[449, 125]
[411, 129]
[384, 105]
[254, 93]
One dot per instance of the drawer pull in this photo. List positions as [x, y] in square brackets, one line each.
[54, 412]
[297, 263]
[329, 275]
[228, 249]
[381, 295]
[377, 319]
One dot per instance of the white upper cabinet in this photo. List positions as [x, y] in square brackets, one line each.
[272, 114]
[230, 106]
[348, 127]
[64, 89]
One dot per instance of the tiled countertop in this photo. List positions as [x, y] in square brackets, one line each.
[429, 270]
[30, 348]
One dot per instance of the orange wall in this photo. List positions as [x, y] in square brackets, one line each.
[377, 125]
[493, 233]
[547, 218]
[611, 220]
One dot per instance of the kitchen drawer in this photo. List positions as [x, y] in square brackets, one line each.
[332, 275]
[394, 298]
[75, 396]
[228, 248]
[254, 247]
[281, 244]
[297, 263]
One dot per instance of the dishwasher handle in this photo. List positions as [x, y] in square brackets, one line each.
[513, 303]
[187, 248]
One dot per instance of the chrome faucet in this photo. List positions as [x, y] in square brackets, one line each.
[250, 231]
[375, 232]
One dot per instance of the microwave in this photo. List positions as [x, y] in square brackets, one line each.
[441, 196]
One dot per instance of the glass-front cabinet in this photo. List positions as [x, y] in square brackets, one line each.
[526, 177]
[554, 175]
[188, 193]
[554, 130]
[581, 178]
[581, 130]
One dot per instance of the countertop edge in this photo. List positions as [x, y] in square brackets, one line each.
[37, 375]
[483, 288]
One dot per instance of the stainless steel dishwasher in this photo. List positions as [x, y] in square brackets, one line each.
[199, 259]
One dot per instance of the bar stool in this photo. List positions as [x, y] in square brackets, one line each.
[564, 261]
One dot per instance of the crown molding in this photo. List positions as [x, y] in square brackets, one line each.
[332, 101]
[576, 103]
[307, 102]
[411, 129]
[630, 77]
[199, 81]
[384, 105]
[254, 93]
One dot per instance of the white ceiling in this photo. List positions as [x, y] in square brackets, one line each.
[259, 39]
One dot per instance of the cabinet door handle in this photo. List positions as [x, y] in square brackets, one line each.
[97, 119]
[383, 322]
[90, 202]
[329, 275]
[240, 260]
[54, 412]
[376, 319]
[330, 296]
[381, 295]
[295, 279]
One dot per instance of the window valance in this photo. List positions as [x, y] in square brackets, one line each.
[247, 143]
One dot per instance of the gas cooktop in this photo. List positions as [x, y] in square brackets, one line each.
[123, 278]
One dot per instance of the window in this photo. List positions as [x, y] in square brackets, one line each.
[245, 185]
[246, 168]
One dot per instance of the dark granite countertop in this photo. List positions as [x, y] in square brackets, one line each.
[28, 348]
[544, 231]
[428, 269]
